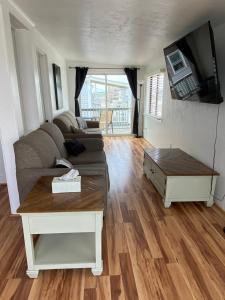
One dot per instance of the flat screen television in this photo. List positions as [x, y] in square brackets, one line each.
[192, 67]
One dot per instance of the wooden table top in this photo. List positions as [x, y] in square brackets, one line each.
[42, 200]
[175, 162]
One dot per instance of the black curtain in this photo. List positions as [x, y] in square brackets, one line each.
[132, 79]
[80, 78]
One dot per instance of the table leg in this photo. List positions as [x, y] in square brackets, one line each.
[32, 274]
[166, 202]
[98, 246]
[29, 248]
[210, 202]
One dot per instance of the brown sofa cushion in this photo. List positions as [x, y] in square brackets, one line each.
[63, 123]
[36, 150]
[92, 124]
[72, 119]
[70, 135]
[26, 157]
[57, 136]
[87, 158]
[92, 145]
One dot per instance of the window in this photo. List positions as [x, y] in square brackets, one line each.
[108, 98]
[177, 61]
[154, 95]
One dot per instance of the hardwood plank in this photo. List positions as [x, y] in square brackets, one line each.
[182, 286]
[116, 290]
[128, 277]
[196, 272]
[103, 288]
[10, 288]
[90, 294]
[90, 281]
[23, 289]
[116, 240]
[140, 261]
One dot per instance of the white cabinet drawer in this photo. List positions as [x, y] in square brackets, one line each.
[60, 224]
[147, 161]
[159, 175]
[154, 173]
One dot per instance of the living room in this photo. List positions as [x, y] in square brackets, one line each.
[112, 165]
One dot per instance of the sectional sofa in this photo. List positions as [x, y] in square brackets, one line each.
[36, 155]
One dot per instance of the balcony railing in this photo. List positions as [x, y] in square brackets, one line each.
[121, 119]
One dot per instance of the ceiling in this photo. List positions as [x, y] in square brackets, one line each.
[127, 32]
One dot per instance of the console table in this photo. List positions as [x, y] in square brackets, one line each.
[179, 177]
[68, 225]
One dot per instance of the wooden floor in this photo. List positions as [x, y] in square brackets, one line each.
[149, 252]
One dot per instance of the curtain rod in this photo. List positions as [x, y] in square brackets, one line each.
[103, 68]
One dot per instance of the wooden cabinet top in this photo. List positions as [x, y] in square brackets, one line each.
[175, 162]
[42, 200]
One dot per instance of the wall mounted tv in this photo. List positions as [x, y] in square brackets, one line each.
[192, 68]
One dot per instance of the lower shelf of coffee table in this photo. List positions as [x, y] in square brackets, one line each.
[65, 250]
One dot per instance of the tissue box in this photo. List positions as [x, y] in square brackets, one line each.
[62, 186]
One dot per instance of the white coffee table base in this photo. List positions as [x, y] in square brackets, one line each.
[66, 241]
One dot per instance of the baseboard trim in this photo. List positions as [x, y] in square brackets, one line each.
[119, 135]
[220, 208]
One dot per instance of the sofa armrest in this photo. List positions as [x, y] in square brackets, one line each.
[92, 144]
[26, 178]
[92, 124]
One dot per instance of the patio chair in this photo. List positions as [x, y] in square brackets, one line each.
[106, 119]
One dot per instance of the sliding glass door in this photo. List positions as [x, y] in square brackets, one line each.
[108, 98]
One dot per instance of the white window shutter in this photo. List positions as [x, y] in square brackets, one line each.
[154, 95]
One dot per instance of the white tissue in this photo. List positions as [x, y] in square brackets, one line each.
[72, 174]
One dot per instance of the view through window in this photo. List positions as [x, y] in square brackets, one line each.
[107, 98]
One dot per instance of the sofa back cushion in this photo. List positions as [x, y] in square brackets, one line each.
[36, 150]
[57, 136]
[26, 157]
[63, 123]
[72, 119]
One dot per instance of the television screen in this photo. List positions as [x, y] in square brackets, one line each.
[192, 69]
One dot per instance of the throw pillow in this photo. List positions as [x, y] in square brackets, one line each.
[74, 147]
[77, 130]
[82, 123]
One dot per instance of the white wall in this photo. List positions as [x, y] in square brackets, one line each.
[9, 127]
[11, 120]
[2, 168]
[71, 80]
[191, 126]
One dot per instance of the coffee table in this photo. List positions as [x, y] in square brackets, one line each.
[68, 225]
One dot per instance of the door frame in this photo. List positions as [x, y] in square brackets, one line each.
[43, 85]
